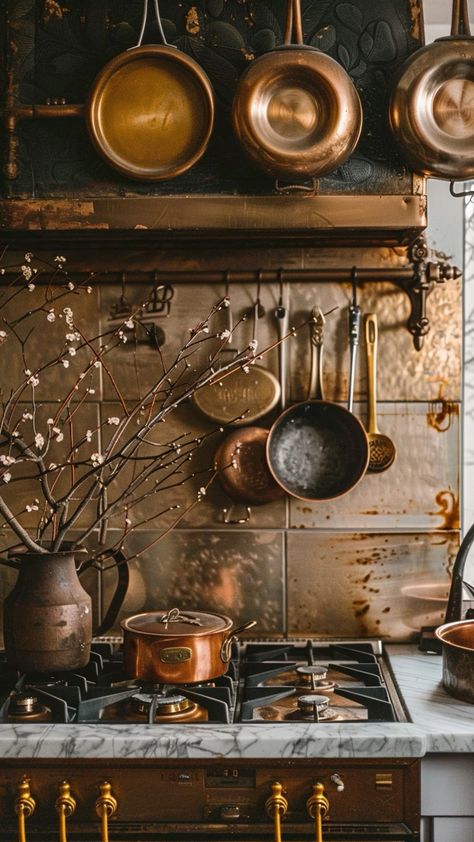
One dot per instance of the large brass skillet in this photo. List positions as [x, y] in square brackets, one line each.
[432, 107]
[150, 112]
[296, 111]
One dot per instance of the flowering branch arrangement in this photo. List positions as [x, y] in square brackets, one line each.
[86, 476]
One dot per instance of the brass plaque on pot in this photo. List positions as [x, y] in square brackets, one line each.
[175, 654]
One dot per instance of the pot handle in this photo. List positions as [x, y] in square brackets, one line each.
[458, 194]
[316, 332]
[226, 648]
[163, 40]
[460, 21]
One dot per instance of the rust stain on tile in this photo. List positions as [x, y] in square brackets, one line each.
[441, 413]
[448, 510]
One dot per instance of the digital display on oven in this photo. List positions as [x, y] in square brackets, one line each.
[230, 776]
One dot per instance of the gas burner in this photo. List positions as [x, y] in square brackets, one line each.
[316, 707]
[165, 705]
[315, 676]
[160, 707]
[24, 706]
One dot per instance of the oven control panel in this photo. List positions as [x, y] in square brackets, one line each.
[313, 795]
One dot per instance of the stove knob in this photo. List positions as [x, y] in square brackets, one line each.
[65, 807]
[105, 807]
[24, 806]
[230, 812]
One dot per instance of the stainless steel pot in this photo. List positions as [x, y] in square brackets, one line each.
[170, 647]
[457, 640]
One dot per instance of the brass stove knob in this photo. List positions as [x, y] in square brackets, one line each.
[65, 807]
[317, 806]
[24, 806]
[105, 807]
[276, 806]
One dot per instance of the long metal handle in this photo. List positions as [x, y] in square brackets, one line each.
[276, 806]
[24, 806]
[371, 345]
[105, 807]
[282, 317]
[318, 807]
[65, 807]
[460, 25]
[226, 648]
[159, 24]
[316, 330]
[354, 335]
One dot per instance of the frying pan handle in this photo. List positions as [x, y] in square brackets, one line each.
[159, 24]
[460, 20]
[458, 194]
[354, 334]
[226, 648]
[316, 328]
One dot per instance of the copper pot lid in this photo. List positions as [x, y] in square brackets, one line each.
[176, 623]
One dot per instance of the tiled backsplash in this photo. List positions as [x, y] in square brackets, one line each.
[373, 562]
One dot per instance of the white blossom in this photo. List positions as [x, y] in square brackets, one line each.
[88, 435]
[129, 323]
[91, 391]
[128, 521]
[26, 271]
[60, 437]
[28, 256]
[27, 372]
[71, 351]
[226, 334]
[27, 416]
[60, 259]
[97, 364]
[52, 466]
[7, 460]
[253, 345]
[33, 380]
[96, 459]
[39, 441]
[3, 336]
[50, 421]
[202, 491]
[72, 337]
[113, 420]
[31, 507]
[65, 363]
[6, 476]
[89, 290]
[51, 317]
[71, 286]
[31, 287]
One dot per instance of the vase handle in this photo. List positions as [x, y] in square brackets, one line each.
[120, 592]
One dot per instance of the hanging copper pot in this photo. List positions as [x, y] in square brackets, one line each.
[296, 111]
[432, 107]
[150, 111]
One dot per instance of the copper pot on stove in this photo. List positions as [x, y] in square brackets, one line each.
[171, 647]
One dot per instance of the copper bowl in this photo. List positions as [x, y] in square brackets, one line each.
[457, 641]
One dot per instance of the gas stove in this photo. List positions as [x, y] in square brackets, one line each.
[281, 682]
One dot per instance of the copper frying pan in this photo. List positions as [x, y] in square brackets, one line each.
[296, 111]
[150, 111]
[432, 107]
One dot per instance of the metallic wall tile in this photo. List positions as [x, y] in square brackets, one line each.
[239, 574]
[47, 340]
[434, 373]
[421, 489]
[353, 585]
[183, 426]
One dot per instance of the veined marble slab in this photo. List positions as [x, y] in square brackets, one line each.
[440, 724]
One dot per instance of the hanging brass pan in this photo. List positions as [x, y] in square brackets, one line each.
[296, 111]
[151, 109]
[432, 106]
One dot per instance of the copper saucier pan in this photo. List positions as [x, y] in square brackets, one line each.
[432, 107]
[174, 647]
[296, 111]
[150, 111]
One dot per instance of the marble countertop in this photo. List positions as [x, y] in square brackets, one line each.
[439, 724]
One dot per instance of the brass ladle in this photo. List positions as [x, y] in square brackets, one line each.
[382, 451]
